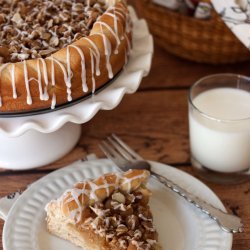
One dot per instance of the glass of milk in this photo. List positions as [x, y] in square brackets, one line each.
[219, 127]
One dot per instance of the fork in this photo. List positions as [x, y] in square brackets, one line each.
[125, 158]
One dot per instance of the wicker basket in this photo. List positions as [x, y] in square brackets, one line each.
[207, 41]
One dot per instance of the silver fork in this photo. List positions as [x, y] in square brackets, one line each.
[125, 158]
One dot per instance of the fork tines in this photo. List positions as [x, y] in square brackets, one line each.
[118, 151]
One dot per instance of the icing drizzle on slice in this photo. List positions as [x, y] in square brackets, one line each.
[88, 190]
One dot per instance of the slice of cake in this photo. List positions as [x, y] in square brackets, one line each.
[111, 212]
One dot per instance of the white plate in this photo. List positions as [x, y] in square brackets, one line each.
[180, 225]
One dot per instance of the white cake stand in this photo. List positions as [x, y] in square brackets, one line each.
[33, 141]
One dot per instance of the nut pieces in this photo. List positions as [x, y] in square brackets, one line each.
[126, 221]
[121, 229]
[37, 28]
[119, 197]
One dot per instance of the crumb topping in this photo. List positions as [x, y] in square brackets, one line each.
[124, 220]
[37, 28]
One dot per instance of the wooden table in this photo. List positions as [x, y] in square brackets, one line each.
[154, 122]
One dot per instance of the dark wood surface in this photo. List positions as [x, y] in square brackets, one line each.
[154, 122]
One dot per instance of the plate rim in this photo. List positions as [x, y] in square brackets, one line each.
[80, 164]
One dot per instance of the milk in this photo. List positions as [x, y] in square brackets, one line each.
[221, 142]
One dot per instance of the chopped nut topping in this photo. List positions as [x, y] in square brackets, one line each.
[132, 221]
[124, 221]
[119, 197]
[121, 229]
[37, 28]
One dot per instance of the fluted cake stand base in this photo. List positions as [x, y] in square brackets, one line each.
[35, 149]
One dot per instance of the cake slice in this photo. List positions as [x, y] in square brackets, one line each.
[110, 212]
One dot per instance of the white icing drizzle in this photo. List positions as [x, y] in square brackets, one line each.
[13, 83]
[123, 19]
[107, 51]
[94, 188]
[43, 95]
[119, 8]
[130, 180]
[45, 72]
[120, 14]
[53, 101]
[92, 70]
[96, 54]
[83, 73]
[118, 42]
[53, 82]
[62, 68]
[125, 14]
[65, 76]
[89, 189]
[26, 80]
[115, 21]
[68, 82]
[75, 194]
[45, 77]
[2, 67]
[39, 79]
[77, 213]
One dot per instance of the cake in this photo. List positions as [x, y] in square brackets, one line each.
[55, 51]
[110, 212]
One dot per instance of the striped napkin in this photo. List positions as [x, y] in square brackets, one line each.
[236, 15]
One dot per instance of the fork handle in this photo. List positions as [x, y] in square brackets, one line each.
[229, 223]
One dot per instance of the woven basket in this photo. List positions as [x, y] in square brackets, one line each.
[206, 41]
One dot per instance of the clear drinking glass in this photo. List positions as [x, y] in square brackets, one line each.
[219, 127]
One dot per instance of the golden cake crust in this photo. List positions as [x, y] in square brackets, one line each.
[71, 72]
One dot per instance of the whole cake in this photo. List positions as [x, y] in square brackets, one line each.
[110, 212]
[56, 51]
